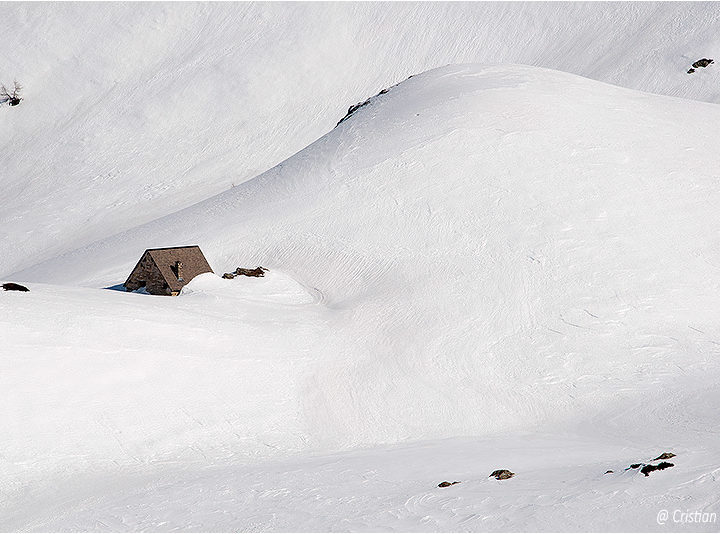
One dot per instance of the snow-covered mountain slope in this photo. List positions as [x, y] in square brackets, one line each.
[561, 485]
[481, 230]
[133, 111]
[482, 250]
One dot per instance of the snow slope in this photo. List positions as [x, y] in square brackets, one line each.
[507, 252]
[133, 111]
[559, 486]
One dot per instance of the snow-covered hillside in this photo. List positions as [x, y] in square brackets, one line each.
[133, 111]
[512, 253]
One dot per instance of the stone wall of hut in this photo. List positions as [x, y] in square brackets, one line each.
[149, 276]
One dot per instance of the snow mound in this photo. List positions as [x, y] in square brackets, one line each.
[274, 287]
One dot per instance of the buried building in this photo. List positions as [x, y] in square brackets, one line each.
[164, 271]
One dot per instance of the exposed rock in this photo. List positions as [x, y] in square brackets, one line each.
[11, 286]
[704, 62]
[446, 484]
[646, 469]
[691, 71]
[256, 272]
[502, 474]
[659, 467]
[352, 109]
[609, 471]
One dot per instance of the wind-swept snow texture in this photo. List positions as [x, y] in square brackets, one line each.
[521, 256]
[133, 111]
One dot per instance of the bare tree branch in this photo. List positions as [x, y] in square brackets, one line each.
[6, 96]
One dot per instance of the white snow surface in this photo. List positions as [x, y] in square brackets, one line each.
[133, 111]
[486, 267]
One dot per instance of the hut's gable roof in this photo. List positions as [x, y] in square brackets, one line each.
[192, 258]
[159, 265]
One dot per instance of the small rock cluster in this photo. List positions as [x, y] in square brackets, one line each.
[700, 63]
[498, 474]
[12, 286]
[645, 469]
[256, 272]
[502, 474]
[648, 468]
[352, 109]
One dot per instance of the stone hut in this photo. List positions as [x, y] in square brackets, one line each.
[164, 271]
